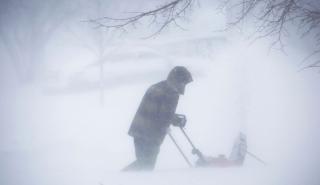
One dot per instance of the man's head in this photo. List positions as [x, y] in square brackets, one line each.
[178, 78]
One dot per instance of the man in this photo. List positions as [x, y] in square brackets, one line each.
[154, 116]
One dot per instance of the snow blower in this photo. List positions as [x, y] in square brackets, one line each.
[236, 157]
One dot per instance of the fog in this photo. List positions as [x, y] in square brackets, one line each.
[62, 125]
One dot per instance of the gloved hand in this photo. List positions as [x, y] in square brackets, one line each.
[179, 120]
[195, 151]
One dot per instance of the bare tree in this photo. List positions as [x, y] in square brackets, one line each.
[272, 19]
[275, 18]
[99, 42]
[162, 16]
[26, 27]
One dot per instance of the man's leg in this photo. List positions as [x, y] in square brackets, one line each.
[146, 153]
[135, 165]
[131, 167]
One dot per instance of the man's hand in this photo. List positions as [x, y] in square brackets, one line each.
[179, 120]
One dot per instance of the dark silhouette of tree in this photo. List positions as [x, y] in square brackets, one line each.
[26, 27]
[162, 16]
[98, 41]
[272, 18]
[276, 18]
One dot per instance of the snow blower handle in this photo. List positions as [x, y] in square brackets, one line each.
[180, 150]
[195, 151]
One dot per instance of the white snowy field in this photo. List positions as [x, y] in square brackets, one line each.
[57, 132]
[69, 138]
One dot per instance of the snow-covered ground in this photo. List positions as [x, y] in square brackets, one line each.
[69, 138]
[64, 139]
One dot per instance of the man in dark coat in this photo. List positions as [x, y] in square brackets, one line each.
[154, 116]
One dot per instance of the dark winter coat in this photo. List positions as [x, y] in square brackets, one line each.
[153, 117]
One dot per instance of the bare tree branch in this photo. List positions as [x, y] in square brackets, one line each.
[271, 17]
[163, 16]
[274, 17]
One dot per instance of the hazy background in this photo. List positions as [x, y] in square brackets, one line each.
[62, 125]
